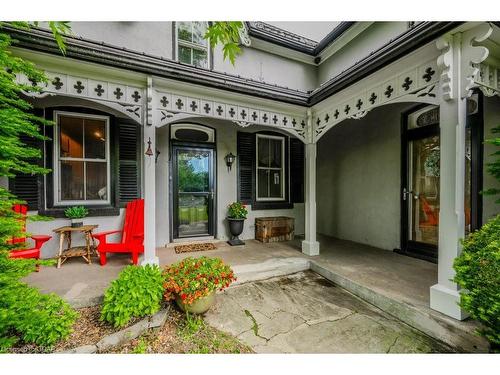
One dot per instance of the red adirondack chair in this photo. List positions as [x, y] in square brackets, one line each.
[33, 252]
[132, 240]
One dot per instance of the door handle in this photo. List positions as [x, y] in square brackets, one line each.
[410, 193]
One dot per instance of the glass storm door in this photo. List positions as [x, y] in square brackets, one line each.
[423, 196]
[420, 190]
[193, 191]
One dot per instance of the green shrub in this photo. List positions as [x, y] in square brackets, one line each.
[25, 313]
[137, 292]
[478, 273]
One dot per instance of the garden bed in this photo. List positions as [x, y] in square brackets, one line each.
[178, 335]
[87, 330]
[184, 334]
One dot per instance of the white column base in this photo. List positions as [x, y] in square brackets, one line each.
[445, 300]
[310, 248]
[152, 261]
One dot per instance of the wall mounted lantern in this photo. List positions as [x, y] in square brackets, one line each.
[149, 152]
[229, 158]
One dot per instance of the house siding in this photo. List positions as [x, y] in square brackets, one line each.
[358, 179]
[371, 39]
[226, 188]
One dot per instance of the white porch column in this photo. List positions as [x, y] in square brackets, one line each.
[310, 246]
[456, 62]
[149, 184]
[444, 295]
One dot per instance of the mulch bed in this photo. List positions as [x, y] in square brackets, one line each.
[176, 337]
[194, 247]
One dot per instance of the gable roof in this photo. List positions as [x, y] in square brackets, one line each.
[284, 38]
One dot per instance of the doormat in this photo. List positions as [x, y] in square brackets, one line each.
[194, 247]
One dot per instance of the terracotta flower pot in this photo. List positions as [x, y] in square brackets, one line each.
[200, 306]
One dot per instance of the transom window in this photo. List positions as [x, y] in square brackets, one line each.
[270, 163]
[81, 159]
[192, 48]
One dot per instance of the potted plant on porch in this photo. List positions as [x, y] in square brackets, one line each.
[192, 282]
[236, 215]
[76, 214]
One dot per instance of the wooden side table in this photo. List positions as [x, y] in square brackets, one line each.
[85, 251]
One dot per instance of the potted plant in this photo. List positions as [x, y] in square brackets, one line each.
[236, 215]
[76, 214]
[192, 282]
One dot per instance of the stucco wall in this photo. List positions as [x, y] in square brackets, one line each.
[358, 179]
[263, 66]
[226, 189]
[491, 120]
[156, 38]
[371, 39]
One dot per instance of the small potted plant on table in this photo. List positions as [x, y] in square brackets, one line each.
[237, 213]
[192, 282]
[76, 214]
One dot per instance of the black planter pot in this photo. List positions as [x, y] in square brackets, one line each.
[236, 228]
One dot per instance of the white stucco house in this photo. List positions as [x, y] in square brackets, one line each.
[373, 133]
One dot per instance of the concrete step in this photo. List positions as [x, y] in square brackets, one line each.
[270, 268]
[458, 334]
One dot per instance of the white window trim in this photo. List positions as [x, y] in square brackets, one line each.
[191, 45]
[284, 175]
[56, 159]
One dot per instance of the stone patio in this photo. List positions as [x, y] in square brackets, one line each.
[394, 283]
[305, 313]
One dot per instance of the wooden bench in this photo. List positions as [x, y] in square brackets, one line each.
[274, 229]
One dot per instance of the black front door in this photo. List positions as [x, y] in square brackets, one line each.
[193, 191]
[420, 184]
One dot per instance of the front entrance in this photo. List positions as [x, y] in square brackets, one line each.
[420, 183]
[193, 191]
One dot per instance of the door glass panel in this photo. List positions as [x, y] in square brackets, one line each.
[194, 192]
[424, 190]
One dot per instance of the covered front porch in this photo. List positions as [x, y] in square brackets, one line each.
[394, 283]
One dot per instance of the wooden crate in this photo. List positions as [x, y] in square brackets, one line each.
[274, 229]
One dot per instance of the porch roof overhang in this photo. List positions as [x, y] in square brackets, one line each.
[102, 53]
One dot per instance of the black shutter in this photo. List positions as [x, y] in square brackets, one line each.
[245, 156]
[26, 186]
[129, 177]
[297, 170]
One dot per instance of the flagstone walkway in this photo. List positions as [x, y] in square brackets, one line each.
[305, 313]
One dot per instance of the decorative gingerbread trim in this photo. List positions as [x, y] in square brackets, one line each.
[445, 64]
[473, 55]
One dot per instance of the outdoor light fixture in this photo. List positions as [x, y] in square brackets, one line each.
[149, 152]
[230, 158]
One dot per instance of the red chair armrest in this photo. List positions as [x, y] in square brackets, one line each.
[140, 235]
[104, 234]
[41, 237]
[101, 236]
[40, 240]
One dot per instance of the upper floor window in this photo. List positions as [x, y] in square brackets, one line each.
[191, 47]
[81, 159]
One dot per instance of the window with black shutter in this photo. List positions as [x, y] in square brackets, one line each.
[27, 187]
[124, 167]
[129, 177]
[292, 174]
